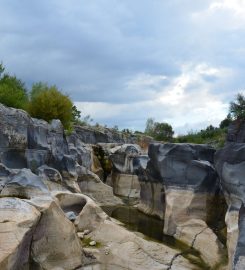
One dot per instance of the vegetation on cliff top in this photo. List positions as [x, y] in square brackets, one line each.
[43, 101]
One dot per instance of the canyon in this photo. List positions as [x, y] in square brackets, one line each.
[98, 200]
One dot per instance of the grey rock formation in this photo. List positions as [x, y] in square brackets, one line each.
[30, 143]
[179, 185]
[91, 135]
[24, 184]
[123, 177]
[80, 150]
[91, 185]
[230, 165]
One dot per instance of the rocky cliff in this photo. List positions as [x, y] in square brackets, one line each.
[180, 186]
[230, 164]
[52, 184]
[47, 221]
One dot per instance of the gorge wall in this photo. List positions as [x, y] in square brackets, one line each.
[52, 184]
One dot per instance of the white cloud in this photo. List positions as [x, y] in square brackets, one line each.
[186, 102]
[235, 6]
[224, 14]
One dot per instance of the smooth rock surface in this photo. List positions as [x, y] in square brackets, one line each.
[17, 224]
[55, 242]
[180, 185]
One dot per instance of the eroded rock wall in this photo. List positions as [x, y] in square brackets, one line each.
[230, 164]
[179, 185]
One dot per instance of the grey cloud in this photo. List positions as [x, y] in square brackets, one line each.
[93, 49]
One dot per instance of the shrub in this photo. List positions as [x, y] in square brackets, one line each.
[12, 91]
[49, 103]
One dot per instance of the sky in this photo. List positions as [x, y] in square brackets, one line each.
[124, 61]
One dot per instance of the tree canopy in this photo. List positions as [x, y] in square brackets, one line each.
[159, 131]
[237, 107]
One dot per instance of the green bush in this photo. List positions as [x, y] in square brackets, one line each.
[49, 103]
[159, 131]
[12, 91]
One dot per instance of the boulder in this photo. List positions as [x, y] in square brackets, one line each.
[55, 244]
[18, 220]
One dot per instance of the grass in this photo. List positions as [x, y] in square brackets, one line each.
[212, 136]
[86, 240]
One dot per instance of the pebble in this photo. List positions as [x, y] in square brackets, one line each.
[80, 235]
[92, 243]
[86, 232]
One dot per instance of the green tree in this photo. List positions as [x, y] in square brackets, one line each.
[149, 127]
[2, 68]
[49, 103]
[237, 107]
[12, 91]
[226, 122]
[159, 131]
[76, 114]
[163, 132]
[37, 88]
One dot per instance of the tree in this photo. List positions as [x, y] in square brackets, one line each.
[163, 132]
[49, 103]
[237, 107]
[76, 114]
[12, 91]
[159, 131]
[37, 88]
[2, 68]
[226, 122]
[149, 127]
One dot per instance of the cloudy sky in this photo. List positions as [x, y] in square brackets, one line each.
[123, 61]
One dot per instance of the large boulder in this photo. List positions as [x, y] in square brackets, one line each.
[55, 244]
[230, 165]
[180, 185]
[18, 220]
